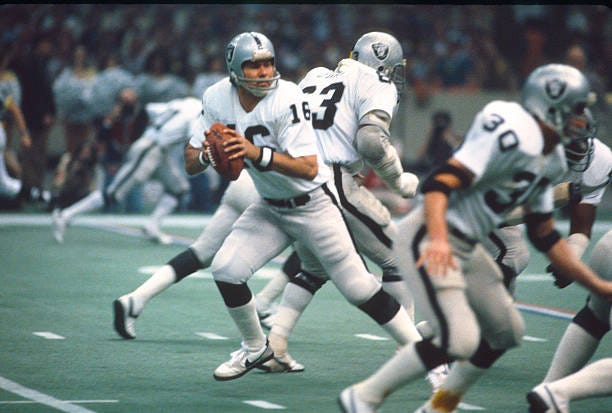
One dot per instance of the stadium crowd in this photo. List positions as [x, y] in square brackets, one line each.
[169, 51]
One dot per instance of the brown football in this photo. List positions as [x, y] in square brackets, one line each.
[229, 169]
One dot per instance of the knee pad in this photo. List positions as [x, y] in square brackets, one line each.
[382, 307]
[485, 356]
[308, 281]
[431, 356]
[590, 323]
[292, 266]
[234, 295]
[184, 264]
[511, 336]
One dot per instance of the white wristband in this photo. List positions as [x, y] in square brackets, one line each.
[201, 159]
[265, 157]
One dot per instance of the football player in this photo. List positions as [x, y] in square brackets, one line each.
[148, 157]
[511, 155]
[568, 378]
[10, 187]
[352, 107]
[269, 119]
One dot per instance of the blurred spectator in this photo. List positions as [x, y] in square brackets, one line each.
[31, 66]
[157, 83]
[534, 48]
[73, 92]
[75, 176]
[440, 143]
[492, 71]
[9, 83]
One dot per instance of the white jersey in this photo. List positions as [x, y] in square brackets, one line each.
[338, 99]
[503, 149]
[171, 122]
[278, 122]
[594, 181]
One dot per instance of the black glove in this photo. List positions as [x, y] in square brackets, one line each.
[561, 281]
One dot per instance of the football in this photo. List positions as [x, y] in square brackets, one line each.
[227, 168]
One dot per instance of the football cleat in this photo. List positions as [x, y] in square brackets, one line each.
[59, 226]
[242, 362]
[152, 232]
[350, 403]
[541, 399]
[125, 317]
[285, 364]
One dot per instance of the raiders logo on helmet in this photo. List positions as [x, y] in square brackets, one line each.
[381, 50]
[229, 52]
[555, 88]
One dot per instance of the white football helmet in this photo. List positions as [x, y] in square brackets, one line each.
[557, 94]
[250, 46]
[384, 53]
[579, 153]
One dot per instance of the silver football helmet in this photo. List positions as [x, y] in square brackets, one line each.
[557, 94]
[250, 46]
[579, 153]
[384, 53]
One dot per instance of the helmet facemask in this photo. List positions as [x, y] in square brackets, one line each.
[251, 47]
[579, 151]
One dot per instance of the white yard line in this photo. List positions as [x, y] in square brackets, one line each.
[41, 398]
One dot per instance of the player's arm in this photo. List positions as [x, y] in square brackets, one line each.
[546, 239]
[196, 160]
[305, 167]
[437, 189]
[374, 145]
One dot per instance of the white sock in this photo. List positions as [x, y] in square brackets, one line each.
[594, 380]
[573, 352]
[272, 289]
[402, 328]
[161, 280]
[294, 302]
[462, 376]
[247, 322]
[91, 202]
[404, 367]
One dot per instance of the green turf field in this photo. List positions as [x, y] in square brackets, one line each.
[59, 352]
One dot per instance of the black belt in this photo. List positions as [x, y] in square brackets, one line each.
[458, 234]
[290, 202]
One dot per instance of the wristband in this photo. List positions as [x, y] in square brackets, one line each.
[265, 158]
[202, 160]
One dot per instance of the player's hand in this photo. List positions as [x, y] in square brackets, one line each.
[437, 258]
[408, 184]
[561, 281]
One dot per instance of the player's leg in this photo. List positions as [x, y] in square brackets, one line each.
[254, 240]
[582, 336]
[440, 300]
[501, 324]
[199, 255]
[329, 240]
[274, 288]
[176, 186]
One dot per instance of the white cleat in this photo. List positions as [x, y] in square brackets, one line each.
[242, 362]
[541, 399]
[350, 403]
[125, 317]
[436, 376]
[284, 364]
[59, 226]
[152, 232]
